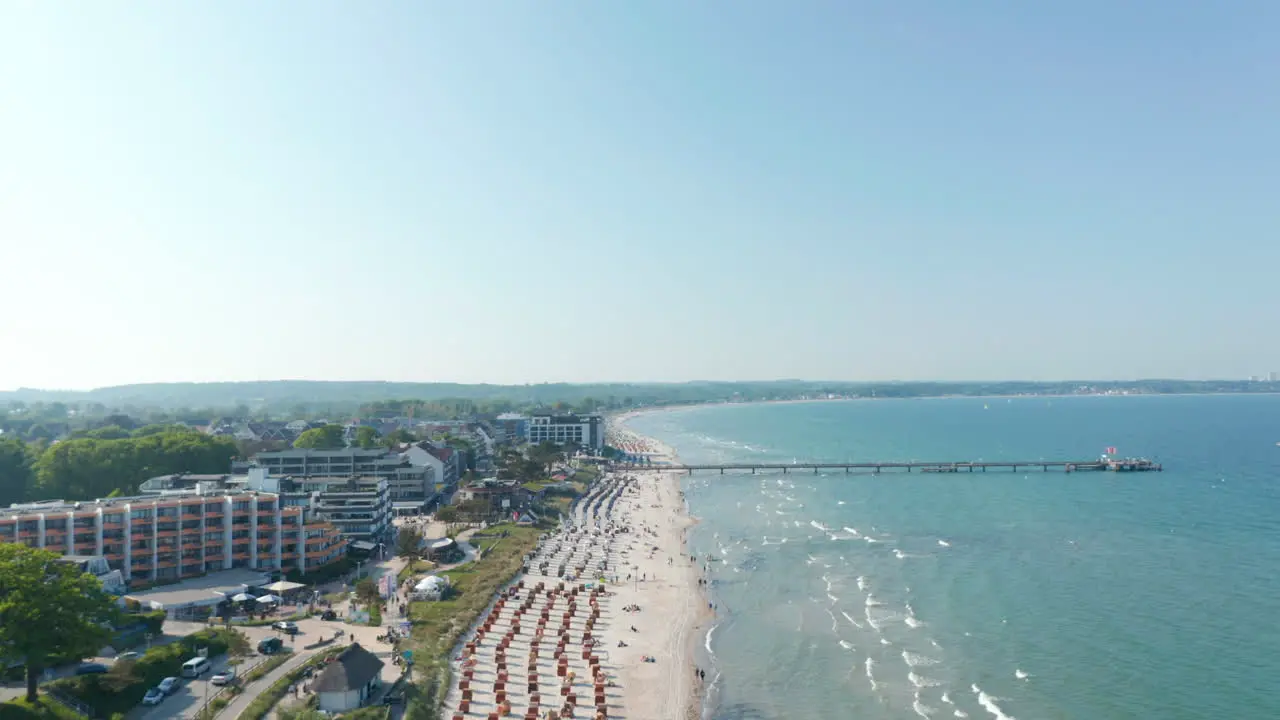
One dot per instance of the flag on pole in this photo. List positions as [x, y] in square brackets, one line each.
[1111, 451]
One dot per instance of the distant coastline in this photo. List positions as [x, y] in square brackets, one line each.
[284, 397]
[622, 416]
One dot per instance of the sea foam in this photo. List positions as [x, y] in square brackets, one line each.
[989, 704]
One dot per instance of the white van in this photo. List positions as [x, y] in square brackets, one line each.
[195, 667]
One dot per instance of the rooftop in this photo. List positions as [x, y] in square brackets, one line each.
[63, 506]
[312, 452]
[351, 670]
[208, 590]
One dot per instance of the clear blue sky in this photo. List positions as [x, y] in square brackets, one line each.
[658, 190]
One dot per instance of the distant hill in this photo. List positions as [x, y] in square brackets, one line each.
[284, 393]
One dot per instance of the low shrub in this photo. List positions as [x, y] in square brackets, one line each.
[45, 708]
[271, 663]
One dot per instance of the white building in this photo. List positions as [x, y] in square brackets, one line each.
[349, 681]
[583, 430]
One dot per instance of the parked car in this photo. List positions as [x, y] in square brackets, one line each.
[169, 685]
[226, 677]
[153, 696]
[91, 668]
[270, 645]
[127, 656]
[286, 626]
[328, 615]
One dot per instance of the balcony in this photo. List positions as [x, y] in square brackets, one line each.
[240, 556]
[112, 526]
[29, 533]
[166, 563]
[141, 560]
[166, 533]
[192, 546]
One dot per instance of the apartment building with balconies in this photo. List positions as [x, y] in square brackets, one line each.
[180, 534]
[407, 481]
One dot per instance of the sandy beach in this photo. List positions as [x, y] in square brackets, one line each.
[602, 623]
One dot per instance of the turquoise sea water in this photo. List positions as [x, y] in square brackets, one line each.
[996, 595]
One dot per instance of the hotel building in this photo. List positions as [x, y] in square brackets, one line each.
[586, 431]
[360, 507]
[178, 535]
[407, 481]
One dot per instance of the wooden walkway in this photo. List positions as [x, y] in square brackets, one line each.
[1127, 465]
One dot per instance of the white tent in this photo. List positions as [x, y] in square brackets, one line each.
[269, 599]
[282, 586]
[431, 587]
[242, 597]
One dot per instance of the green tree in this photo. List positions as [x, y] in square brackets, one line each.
[15, 471]
[409, 543]
[88, 468]
[546, 454]
[475, 509]
[447, 514]
[49, 610]
[398, 436]
[366, 437]
[367, 592]
[328, 437]
[238, 648]
[120, 420]
[106, 432]
[40, 432]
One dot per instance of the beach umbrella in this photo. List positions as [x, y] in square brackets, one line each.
[269, 599]
[242, 597]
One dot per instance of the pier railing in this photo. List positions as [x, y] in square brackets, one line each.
[1103, 465]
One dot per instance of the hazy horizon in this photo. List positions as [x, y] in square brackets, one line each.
[552, 191]
[695, 381]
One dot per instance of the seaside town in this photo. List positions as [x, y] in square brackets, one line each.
[379, 567]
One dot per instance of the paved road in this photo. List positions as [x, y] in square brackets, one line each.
[256, 688]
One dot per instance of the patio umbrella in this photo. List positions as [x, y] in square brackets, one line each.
[269, 599]
[242, 597]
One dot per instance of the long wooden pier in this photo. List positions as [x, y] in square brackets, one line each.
[1101, 465]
